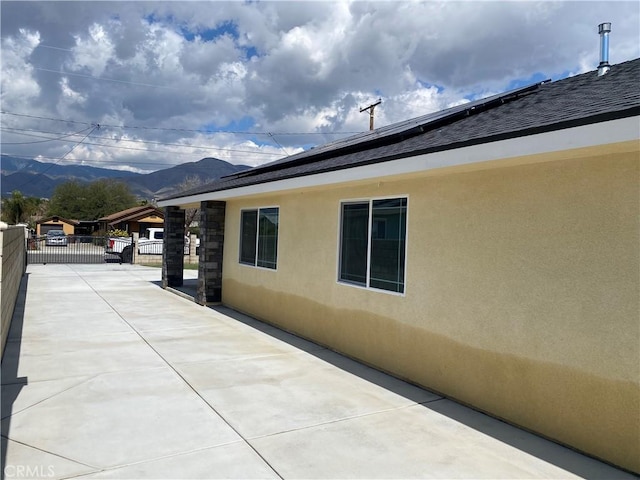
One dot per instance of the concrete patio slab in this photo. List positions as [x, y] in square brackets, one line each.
[212, 343]
[412, 442]
[29, 462]
[98, 319]
[288, 392]
[45, 359]
[172, 318]
[521, 440]
[234, 461]
[17, 397]
[117, 378]
[121, 418]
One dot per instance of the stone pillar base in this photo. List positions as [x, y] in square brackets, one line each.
[212, 215]
[173, 248]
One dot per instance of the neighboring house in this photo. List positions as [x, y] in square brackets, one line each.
[489, 252]
[87, 227]
[134, 220]
[56, 223]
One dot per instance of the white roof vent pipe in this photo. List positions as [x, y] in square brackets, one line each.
[604, 29]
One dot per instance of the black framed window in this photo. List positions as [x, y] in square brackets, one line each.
[248, 236]
[373, 243]
[259, 237]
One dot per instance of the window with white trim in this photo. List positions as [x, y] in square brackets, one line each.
[259, 237]
[373, 243]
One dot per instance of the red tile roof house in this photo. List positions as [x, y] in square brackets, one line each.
[489, 252]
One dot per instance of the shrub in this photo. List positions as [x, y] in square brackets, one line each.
[119, 233]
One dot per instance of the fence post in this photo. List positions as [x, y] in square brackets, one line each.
[192, 248]
[135, 236]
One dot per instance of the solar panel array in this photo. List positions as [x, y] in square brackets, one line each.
[387, 131]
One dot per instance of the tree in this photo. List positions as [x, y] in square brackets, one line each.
[14, 208]
[68, 201]
[90, 201]
[21, 209]
[190, 214]
[37, 208]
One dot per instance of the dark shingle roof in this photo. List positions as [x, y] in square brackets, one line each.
[542, 107]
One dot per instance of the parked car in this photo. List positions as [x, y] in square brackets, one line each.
[56, 238]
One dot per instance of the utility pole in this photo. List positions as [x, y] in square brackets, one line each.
[371, 108]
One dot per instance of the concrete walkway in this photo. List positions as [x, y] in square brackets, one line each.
[106, 375]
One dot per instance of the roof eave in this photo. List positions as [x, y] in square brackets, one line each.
[526, 143]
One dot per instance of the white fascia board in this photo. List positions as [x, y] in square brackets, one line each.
[603, 133]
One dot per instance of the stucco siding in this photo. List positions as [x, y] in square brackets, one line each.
[57, 225]
[522, 291]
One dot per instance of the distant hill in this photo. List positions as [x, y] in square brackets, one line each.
[39, 179]
[29, 184]
[164, 182]
[53, 170]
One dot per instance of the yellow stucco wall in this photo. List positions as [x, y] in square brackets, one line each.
[151, 219]
[59, 225]
[522, 293]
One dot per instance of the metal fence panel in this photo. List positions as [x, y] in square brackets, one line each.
[68, 249]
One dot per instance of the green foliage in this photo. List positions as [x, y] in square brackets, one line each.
[118, 233]
[20, 209]
[90, 201]
[111, 233]
[13, 208]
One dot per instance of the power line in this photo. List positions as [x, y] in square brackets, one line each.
[84, 75]
[40, 141]
[55, 48]
[278, 143]
[105, 125]
[150, 149]
[97, 164]
[4, 112]
[18, 131]
[94, 128]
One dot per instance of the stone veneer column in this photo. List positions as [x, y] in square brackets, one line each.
[211, 243]
[173, 247]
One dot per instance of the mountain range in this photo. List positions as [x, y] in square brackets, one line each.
[39, 179]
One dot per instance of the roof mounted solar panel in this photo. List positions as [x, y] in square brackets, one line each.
[387, 133]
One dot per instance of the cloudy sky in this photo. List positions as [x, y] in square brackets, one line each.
[148, 85]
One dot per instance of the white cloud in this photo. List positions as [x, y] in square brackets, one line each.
[69, 95]
[93, 51]
[274, 68]
[18, 84]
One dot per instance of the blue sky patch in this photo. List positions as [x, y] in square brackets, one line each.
[244, 124]
[562, 75]
[250, 51]
[438, 88]
[154, 18]
[210, 34]
[207, 34]
[523, 82]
